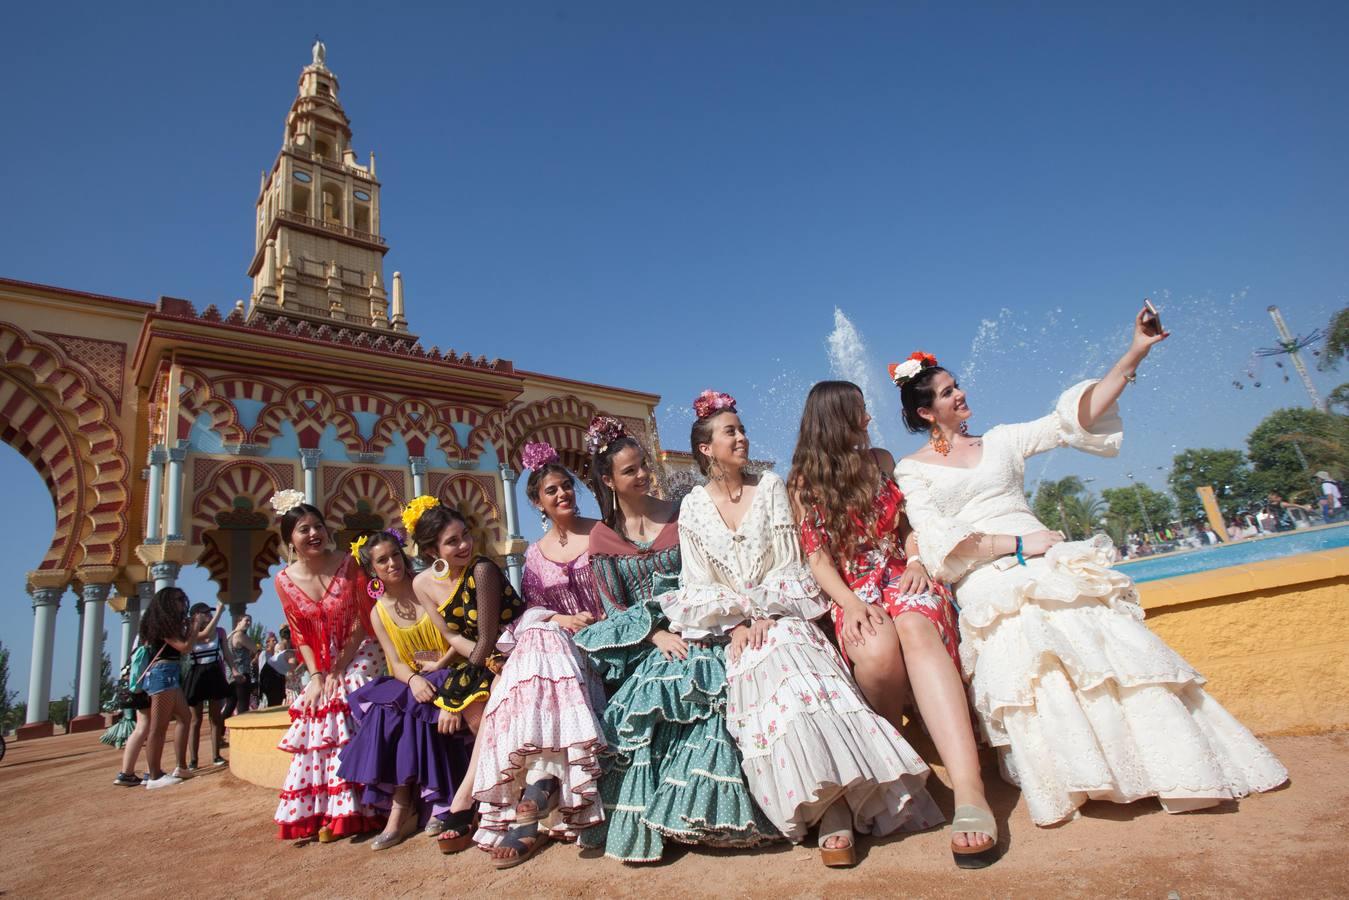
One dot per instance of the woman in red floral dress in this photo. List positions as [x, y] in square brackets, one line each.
[895, 626]
[323, 595]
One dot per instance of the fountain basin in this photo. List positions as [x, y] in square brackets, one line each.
[1272, 637]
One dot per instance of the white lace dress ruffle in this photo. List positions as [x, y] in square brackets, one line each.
[1082, 700]
[805, 732]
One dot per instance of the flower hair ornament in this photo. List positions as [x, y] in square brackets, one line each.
[284, 501]
[710, 402]
[901, 372]
[414, 511]
[538, 454]
[603, 431]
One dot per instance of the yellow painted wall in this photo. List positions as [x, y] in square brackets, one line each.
[254, 756]
[1272, 638]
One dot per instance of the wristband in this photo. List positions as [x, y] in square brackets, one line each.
[1020, 559]
[914, 559]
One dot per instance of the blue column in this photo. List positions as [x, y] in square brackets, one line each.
[418, 466]
[46, 601]
[515, 563]
[131, 616]
[174, 525]
[155, 490]
[310, 460]
[93, 598]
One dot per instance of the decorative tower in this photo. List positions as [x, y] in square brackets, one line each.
[318, 255]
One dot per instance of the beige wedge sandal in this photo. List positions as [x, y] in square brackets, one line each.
[973, 820]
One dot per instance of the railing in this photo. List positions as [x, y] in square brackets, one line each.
[297, 150]
[331, 227]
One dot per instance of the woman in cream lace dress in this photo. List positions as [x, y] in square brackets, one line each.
[1082, 701]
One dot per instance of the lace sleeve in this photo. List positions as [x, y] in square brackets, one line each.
[1063, 428]
[938, 534]
[491, 587]
[787, 588]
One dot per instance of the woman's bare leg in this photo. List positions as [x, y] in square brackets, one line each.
[940, 694]
[878, 667]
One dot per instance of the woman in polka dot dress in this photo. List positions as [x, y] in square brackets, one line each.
[323, 595]
[478, 604]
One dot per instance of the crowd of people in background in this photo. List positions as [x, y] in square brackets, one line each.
[182, 653]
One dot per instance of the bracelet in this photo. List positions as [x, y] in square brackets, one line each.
[1131, 377]
[1020, 559]
[914, 559]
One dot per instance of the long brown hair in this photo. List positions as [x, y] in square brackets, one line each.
[833, 473]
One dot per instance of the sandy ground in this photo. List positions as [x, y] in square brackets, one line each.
[67, 831]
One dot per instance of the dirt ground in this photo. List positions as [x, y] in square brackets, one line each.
[67, 831]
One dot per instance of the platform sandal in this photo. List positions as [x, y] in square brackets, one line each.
[458, 833]
[974, 820]
[837, 822]
[544, 794]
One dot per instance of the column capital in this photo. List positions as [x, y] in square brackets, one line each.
[310, 458]
[418, 464]
[47, 596]
[507, 473]
[95, 593]
[177, 454]
[145, 592]
[157, 456]
[515, 559]
[165, 569]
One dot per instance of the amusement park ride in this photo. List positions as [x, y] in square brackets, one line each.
[1291, 346]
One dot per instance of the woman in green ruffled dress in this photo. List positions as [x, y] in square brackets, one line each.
[672, 771]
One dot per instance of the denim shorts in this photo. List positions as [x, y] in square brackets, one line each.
[163, 676]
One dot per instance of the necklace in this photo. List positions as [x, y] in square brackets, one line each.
[405, 609]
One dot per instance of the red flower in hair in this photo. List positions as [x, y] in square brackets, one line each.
[927, 359]
[711, 402]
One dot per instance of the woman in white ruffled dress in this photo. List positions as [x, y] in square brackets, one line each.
[1082, 701]
[814, 752]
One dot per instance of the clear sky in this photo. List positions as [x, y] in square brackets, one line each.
[673, 197]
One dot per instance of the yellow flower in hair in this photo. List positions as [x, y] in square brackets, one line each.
[414, 511]
[356, 546]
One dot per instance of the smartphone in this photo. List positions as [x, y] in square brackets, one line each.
[1152, 322]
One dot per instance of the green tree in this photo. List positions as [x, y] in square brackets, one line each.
[107, 682]
[8, 698]
[1336, 351]
[1049, 500]
[1125, 510]
[1291, 445]
[1226, 471]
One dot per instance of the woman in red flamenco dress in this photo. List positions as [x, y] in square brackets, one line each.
[323, 594]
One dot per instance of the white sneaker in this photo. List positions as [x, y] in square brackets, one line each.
[182, 774]
[163, 781]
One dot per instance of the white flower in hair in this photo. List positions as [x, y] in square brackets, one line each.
[905, 370]
[284, 501]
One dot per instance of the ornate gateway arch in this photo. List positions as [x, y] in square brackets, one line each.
[160, 429]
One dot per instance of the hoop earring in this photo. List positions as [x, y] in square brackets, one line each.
[940, 443]
[375, 589]
[440, 570]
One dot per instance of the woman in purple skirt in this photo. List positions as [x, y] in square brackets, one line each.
[402, 750]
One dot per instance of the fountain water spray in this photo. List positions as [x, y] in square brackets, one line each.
[848, 360]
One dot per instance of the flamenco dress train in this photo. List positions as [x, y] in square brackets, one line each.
[541, 720]
[1082, 700]
[672, 771]
[314, 795]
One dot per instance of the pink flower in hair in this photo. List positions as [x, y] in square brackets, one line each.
[537, 454]
[603, 431]
[710, 402]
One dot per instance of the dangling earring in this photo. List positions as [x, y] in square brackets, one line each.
[544, 521]
[940, 442]
[375, 589]
[440, 570]
[965, 428]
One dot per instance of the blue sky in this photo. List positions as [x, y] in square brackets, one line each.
[678, 197]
